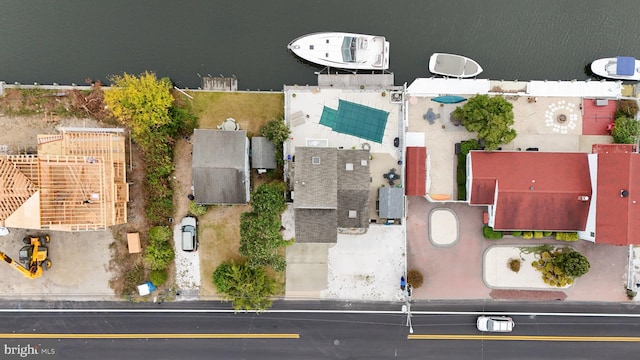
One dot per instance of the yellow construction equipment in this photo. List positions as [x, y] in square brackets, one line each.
[34, 255]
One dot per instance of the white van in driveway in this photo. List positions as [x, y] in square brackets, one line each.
[189, 234]
[495, 323]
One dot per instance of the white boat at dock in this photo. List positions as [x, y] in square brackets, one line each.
[621, 68]
[452, 65]
[343, 50]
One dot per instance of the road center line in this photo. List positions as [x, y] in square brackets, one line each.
[527, 338]
[149, 336]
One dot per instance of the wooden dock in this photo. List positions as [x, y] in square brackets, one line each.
[219, 83]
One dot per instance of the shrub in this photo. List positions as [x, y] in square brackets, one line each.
[560, 267]
[491, 234]
[516, 233]
[567, 236]
[158, 277]
[572, 263]
[132, 279]
[514, 264]
[197, 209]
[537, 235]
[527, 235]
[221, 277]
[625, 130]
[159, 253]
[627, 108]
[547, 233]
[415, 278]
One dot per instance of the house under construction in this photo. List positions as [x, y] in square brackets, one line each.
[76, 182]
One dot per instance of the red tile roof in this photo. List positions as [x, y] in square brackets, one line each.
[618, 213]
[416, 178]
[536, 190]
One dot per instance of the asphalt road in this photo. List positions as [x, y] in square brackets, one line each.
[330, 330]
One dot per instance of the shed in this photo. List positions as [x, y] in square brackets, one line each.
[391, 202]
[263, 153]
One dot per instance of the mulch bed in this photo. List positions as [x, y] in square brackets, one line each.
[528, 295]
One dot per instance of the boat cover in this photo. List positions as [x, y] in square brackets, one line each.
[625, 65]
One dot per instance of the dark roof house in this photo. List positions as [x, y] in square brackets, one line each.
[220, 167]
[331, 191]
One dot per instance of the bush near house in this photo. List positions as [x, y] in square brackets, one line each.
[516, 233]
[248, 287]
[547, 233]
[567, 236]
[625, 130]
[461, 170]
[160, 252]
[491, 234]
[627, 108]
[527, 235]
[538, 235]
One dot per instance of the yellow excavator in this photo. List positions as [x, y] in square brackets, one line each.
[34, 255]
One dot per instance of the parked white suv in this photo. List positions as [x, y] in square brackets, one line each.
[495, 323]
[189, 234]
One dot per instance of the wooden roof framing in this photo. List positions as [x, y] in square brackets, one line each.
[78, 176]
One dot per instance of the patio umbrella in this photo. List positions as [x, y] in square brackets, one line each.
[449, 99]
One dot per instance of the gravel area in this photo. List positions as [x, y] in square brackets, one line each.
[367, 267]
[187, 269]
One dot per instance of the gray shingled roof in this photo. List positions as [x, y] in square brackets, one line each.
[331, 194]
[316, 185]
[316, 226]
[391, 202]
[263, 153]
[220, 167]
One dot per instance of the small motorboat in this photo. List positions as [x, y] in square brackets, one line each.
[620, 68]
[452, 65]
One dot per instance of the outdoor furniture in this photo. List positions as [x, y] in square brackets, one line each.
[430, 116]
[391, 176]
[133, 242]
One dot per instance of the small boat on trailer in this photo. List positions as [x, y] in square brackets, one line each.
[452, 65]
[343, 50]
[620, 68]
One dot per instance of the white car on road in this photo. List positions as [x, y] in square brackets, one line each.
[495, 323]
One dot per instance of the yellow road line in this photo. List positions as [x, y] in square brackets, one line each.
[528, 338]
[149, 336]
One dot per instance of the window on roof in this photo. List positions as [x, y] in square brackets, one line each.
[353, 214]
[315, 160]
[349, 167]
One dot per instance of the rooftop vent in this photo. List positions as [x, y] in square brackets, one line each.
[315, 160]
[353, 214]
[583, 198]
[349, 167]
[624, 193]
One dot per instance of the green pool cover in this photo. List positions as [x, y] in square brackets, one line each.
[354, 119]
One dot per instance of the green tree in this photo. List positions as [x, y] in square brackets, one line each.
[490, 117]
[249, 288]
[572, 263]
[625, 131]
[142, 103]
[276, 131]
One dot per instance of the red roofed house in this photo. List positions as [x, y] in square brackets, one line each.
[617, 195]
[592, 194]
